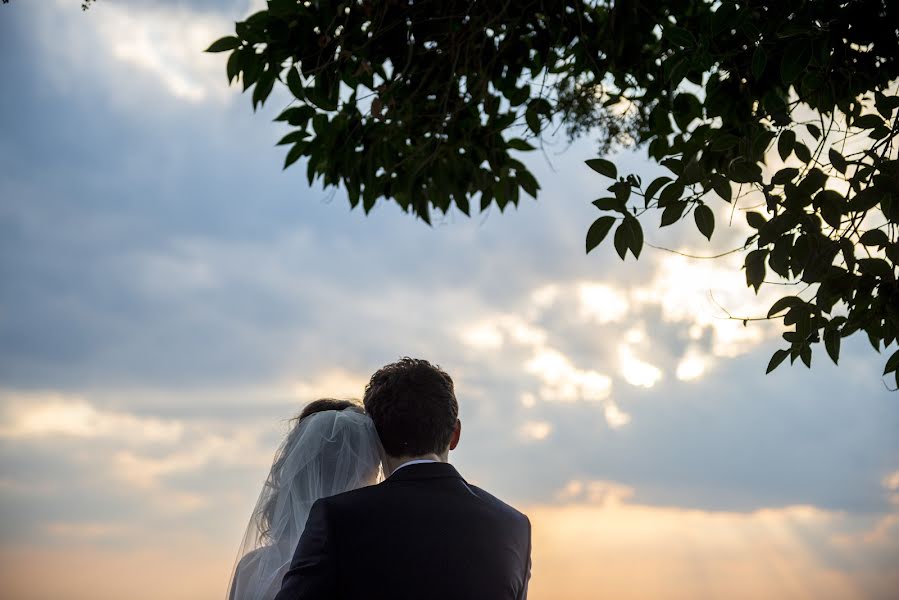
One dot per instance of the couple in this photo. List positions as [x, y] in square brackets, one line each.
[325, 529]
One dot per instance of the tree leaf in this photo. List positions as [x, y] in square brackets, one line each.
[814, 130]
[796, 57]
[871, 121]
[874, 237]
[721, 185]
[777, 358]
[609, 203]
[705, 220]
[755, 268]
[755, 220]
[527, 182]
[232, 69]
[532, 119]
[653, 188]
[598, 231]
[783, 304]
[805, 353]
[629, 236]
[680, 37]
[673, 212]
[635, 236]
[295, 153]
[743, 171]
[785, 175]
[671, 193]
[892, 363]
[603, 167]
[759, 60]
[519, 144]
[832, 343]
[224, 44]
[802, 152]
[295, 83]
[837, 160]
[785, 143]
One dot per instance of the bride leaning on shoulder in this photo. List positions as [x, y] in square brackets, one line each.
[332, 447]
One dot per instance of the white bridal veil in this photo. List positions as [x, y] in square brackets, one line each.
[327, 453]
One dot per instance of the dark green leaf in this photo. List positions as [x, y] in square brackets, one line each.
[654, 187]
[874, 237]
[882, 104]
[295, 83]
[831, 205]
[837, 160]
[603, 167]
[742, 171]
[866, 199]
[609, 203]
[295, 153]
[814, 130]
[629, 236]
[527, 182]
[777, 358]
[755, 220]
[759, 60]
[705, 220]
[532, 119]
[806, 355]
[784, 303]
[721, 185]
[634, 235]
[832, 343]
[868, 122]
[892, 363]
[755, 268]
[519, 144]
[802, 152]
[680, 37]
[224, 44]
[785, 143]
[671, 193]
[673, 212]
[785, 175]
[723, 141]
[598, 231]
[675, 165]
[795, 59]
[233, 67]
[622, 191]
[875, 266]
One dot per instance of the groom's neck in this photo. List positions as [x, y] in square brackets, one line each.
[392, 463]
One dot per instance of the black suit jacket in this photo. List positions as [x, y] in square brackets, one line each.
[423, 533]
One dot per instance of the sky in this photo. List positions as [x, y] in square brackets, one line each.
[169, 297]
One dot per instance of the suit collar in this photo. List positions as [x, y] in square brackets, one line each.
[436, 470]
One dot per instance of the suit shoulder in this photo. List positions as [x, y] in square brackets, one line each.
[347, 500]
[506, 509]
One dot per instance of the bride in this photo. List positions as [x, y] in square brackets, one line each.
[332, 447]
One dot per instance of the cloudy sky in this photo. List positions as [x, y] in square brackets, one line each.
[169, 296]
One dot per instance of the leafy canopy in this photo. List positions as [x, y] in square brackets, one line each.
[789, 108]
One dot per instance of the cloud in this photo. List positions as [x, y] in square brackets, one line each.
[49, 415]
[536, 430]
[605, 544]
[151, 45]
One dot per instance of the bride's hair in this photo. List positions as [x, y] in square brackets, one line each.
[274, 478]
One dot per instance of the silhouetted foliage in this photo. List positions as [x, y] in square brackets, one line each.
[791, 105]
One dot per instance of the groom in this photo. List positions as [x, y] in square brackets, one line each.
[424, 532]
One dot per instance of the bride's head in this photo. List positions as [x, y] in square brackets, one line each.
[331, 447]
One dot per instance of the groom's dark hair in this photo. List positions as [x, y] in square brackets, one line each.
[413, 406]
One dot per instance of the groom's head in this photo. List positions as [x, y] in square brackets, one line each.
[413, 406]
